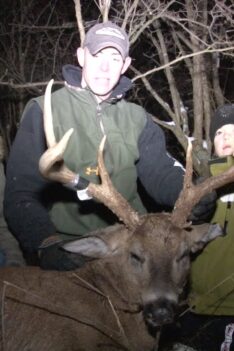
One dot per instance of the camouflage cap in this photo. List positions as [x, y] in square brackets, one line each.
[105, 35]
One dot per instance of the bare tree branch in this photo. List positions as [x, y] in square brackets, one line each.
[79, 20]
[181, 58]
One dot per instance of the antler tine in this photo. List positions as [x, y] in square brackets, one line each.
[48, 119]
[51, 163]
[109, 196]
[191, 194]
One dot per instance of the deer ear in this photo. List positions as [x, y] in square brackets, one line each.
[91, 246]
[101, 243]
[203, 234]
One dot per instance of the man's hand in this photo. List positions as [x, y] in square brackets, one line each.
[54, 257]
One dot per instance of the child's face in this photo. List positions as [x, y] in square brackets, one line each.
[224, 141]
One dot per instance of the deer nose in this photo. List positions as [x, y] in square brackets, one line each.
[159, 312]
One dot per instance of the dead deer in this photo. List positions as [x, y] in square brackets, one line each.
[130, 288]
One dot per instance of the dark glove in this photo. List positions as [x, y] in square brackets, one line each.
[204, 210]
[54, 257]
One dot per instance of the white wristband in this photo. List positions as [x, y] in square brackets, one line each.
[83, 195]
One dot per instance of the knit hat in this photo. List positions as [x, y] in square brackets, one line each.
[223, 115]
[105, 35]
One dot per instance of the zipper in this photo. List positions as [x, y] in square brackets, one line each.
[227, 215]
[100, 122]
[99, 119]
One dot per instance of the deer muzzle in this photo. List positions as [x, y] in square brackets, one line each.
[159, 312]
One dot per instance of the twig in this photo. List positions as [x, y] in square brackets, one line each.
[190, 308]
[60, 311]
[110, 303]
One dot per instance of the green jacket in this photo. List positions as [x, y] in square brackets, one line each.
[120, 154]
[212, 273]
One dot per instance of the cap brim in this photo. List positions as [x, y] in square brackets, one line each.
[94, 49]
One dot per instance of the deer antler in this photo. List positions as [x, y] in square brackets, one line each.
[191, 194]
[109, 196]
[52, 167]
[51, 164]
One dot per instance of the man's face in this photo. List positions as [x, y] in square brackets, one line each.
[224, 141]
[102, 71]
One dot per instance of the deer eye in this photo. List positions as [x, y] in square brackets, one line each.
[136, 258]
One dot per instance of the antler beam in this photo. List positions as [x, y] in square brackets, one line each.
[191, 194]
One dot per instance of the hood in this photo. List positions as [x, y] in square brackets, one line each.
[73, 74]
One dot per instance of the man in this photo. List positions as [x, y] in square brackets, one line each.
[92, 102]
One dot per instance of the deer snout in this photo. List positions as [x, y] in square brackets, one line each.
[159, 312]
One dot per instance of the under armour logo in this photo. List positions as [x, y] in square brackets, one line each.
[91, 170]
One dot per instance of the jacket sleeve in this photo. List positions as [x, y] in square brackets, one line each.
[27, 217]
[160, 174]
